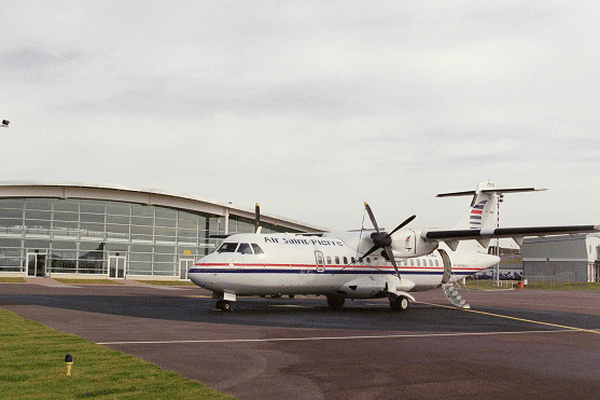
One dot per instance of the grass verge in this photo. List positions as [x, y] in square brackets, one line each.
[89, 281]
[168, 283]
[488, 284]
[32, 367]
[12, 280]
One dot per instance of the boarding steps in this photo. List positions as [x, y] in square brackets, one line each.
[453, 296]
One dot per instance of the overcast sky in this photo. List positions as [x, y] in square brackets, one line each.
[310, 108]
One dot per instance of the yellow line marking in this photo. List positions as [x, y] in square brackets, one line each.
[530, 321]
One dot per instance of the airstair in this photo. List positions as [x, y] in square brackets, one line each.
[451, 293]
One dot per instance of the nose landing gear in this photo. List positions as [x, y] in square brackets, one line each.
[223, 305]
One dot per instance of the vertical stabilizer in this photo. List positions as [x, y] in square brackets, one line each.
[483, 211]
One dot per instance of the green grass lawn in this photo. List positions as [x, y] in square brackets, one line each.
[32, 366]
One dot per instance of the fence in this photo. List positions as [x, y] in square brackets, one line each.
[550, 280]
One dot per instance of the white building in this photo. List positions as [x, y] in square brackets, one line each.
[575, 254]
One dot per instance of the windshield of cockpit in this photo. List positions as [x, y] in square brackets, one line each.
[244, 248]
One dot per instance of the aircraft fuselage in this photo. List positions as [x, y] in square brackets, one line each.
[290, 264]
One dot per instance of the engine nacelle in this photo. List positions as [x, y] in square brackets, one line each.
[409, 243]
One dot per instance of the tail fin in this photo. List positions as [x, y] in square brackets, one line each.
[483, 211]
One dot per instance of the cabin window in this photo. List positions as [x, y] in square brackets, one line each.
[417, 262]
[227, 247]
[328, 260]
[410, 262]
[346, 261]
[257, 249]
[337, 260]
[368, 260]
[437, 264]
[244, 248]
[353, 260]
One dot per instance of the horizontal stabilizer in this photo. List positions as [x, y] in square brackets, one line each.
[491, 190]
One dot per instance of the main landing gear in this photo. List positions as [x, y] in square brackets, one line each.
[223, 305]
[399, 303]
[335, 301]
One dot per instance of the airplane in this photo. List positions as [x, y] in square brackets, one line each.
[365, 263]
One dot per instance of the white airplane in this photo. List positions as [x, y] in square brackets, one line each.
[363, 264]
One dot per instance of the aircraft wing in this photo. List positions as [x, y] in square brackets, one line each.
[452, 237]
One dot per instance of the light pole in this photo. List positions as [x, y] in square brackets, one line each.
[497, 267]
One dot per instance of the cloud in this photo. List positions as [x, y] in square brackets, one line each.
[310, 108]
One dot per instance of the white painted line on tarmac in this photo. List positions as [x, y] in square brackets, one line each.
[321, 338]
[530, 321]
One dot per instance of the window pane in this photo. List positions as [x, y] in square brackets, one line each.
[166, 213]
[34, 214]
[165, 258]
[67, 205]
[137, 209]
[98, 218]
[171, 223]
[119, 229]
[91, 206]
[10, 222]
[141, 230]
[92, 227]
[65, 216]
[7, 213]
[64, 245]
[141, 221]
[117, 219]
[61, 226]
[39, 204]
[12, 203]
[115, 208]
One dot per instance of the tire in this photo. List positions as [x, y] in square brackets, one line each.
[336, 302]
[400, 303]
[223, 305]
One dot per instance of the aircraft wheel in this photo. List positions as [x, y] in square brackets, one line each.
[336, 302]
[399, 303]
[224, 305]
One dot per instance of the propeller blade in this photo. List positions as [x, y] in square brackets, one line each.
[371, 250]
[388, 251]
[256, 218]
[402, 225]
[371, 216]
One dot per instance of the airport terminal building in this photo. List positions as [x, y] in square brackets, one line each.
[69, 230]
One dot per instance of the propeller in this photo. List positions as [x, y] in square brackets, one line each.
[257, 218]
[383, 240]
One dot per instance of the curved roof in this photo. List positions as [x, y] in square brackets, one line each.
[138, 196]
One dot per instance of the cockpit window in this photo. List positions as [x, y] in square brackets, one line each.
[257, 249]
[244, 248]
[227, 247]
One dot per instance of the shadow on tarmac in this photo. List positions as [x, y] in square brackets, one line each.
[301, 312]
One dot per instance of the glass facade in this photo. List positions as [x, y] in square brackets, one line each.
[45, 236]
